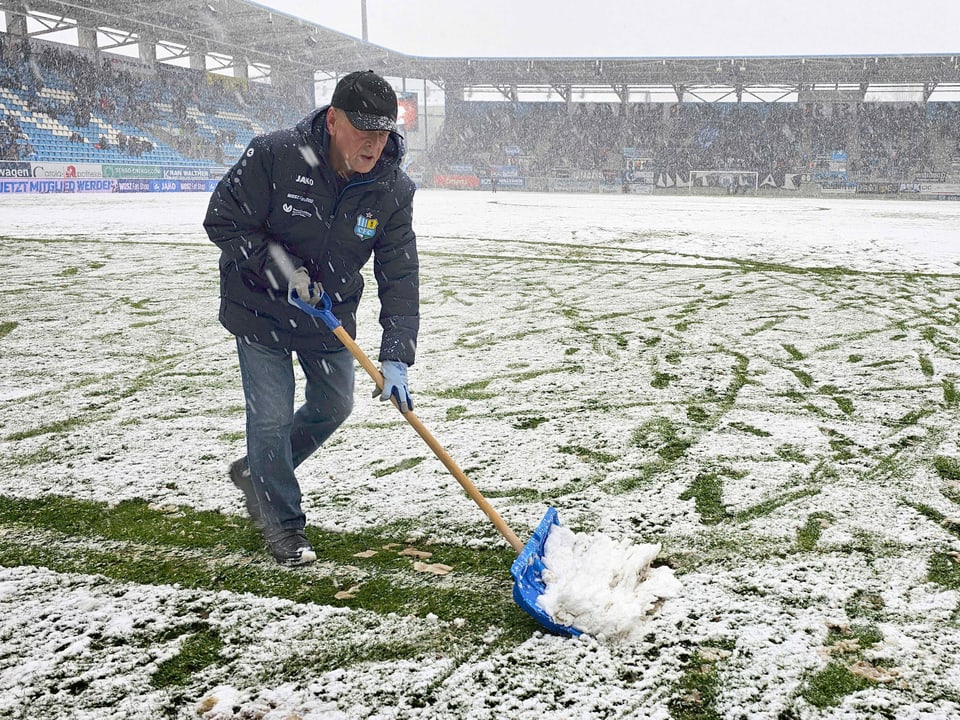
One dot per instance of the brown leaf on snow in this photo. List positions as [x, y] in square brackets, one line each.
[435, 568]
[365, 554]
[844, 646]
[348, 594]
[413, 552]
[864, 669]
[840, 627]
[712, 654]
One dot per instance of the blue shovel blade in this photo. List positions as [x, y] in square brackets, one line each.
[527, 571]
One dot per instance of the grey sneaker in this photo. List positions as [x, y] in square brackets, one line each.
[240, 476]
[291, 547]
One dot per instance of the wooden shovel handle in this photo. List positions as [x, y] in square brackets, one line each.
[437, 448]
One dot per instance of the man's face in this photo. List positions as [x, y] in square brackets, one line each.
[351, 150]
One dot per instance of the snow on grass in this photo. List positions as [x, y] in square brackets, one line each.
[766, 388]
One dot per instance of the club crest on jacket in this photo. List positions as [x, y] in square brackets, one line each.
[366, 226]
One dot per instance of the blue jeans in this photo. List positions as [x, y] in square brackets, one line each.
[278, 439]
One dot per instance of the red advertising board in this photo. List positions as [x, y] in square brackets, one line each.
[463, 182]
[407, 116]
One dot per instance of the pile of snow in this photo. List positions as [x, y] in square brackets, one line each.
[602, 587]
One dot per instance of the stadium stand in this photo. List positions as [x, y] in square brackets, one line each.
[891, 142]
[56, 105]
[63, 104]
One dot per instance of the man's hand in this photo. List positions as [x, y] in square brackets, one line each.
[395, 384]
[301, 284]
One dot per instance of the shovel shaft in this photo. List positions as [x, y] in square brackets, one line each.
[434, 445]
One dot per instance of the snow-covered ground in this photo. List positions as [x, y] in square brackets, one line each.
[765, 387]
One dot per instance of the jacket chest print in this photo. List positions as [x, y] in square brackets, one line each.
[299, 205]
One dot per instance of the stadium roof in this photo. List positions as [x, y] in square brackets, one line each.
[237, 31]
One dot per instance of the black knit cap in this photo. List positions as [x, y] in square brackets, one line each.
[367, 100]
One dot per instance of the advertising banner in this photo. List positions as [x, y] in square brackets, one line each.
[181, 185]
[460, 182]
[79, 185]
[184, 173]
[571, 185]
[878, 188]
[511, 183]
[15, 170]
[408, 111]
[639, 177]
[839, 187]
[132, 171]
[67, 170]
[941, 190]
[505, 171]
[127, 186]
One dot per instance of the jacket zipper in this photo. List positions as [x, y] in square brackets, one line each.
[348, 186]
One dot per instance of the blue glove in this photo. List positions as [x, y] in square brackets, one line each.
[395, 384]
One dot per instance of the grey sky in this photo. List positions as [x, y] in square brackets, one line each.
[644, 28]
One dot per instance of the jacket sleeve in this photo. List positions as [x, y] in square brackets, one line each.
[236, 219]
[396, 268]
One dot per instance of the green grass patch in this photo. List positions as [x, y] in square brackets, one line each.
[660, 435]
[198, 651]
[791, 453]
[7, 327]
[926, 366]
[470, 391]
[588, 454]
[58, 426]
[866, 605]
[698, 689]
[404, 464]
[696, 414]
[662, 380]
[707, 493]
[845, 404]
[804, 377]
[456, 412]
[841, 445]
[529, 422]
[793, 352]
[865, 635]
[809, 535]
[829, 686]
[949, 392]
[768, 506]
[944, 570]
[912, 417]
[947, 467]
[213, 552]
[749, 429]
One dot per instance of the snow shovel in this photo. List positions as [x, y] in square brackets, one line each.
[528, 568]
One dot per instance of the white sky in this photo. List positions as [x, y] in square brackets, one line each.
[644, 28]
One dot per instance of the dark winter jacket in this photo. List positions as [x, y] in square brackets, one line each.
[283, 191]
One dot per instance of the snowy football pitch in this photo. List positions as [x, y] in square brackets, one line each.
[767, 387]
